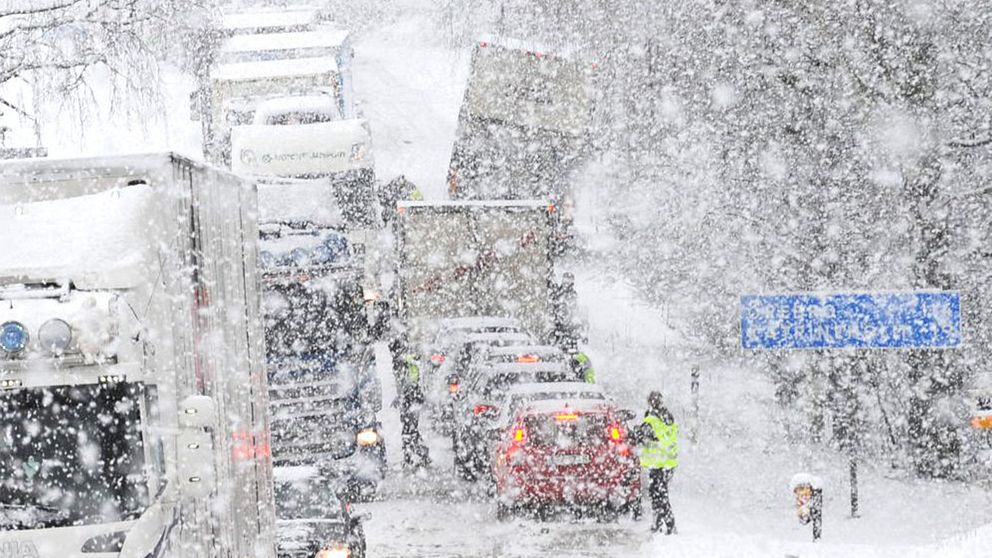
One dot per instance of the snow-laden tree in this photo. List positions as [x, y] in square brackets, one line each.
[763, 146]
[58, 48]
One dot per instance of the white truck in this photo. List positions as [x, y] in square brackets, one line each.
[523, 124]
[133, 404]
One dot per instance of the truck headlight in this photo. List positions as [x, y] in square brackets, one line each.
[55, 336]
[13, 337]
[368, 437]
[336, 551]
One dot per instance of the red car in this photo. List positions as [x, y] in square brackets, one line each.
[574, 454]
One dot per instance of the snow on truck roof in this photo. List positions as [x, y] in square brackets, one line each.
[95, 240]
[264, 69]
[298, 103]
[323, 37]
[491, 41]
[268, 18]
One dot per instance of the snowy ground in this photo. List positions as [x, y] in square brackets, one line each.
[731, 493]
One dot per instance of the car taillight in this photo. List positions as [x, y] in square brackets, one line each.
[615, 433]
[528, 359]
[481, 408]
[453, 388]
[518, 435]
[437, 359]
[562, 417]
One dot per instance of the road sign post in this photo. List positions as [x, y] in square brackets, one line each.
[907, 320]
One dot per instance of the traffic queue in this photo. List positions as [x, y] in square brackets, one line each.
[528, 421]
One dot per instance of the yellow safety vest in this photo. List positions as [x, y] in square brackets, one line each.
[663, 451]
[589, 375]
[412, 370]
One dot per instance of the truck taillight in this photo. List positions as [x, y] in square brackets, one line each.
[483, 409]
[437, 359]
[615, 434]
[518, 435]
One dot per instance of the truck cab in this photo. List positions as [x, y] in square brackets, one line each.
[324, 393]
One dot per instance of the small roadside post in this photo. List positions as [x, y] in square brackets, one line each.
[808, 490]
[851, 322]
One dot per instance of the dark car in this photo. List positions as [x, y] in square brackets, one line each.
[311, 519]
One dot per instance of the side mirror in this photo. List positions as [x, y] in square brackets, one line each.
[195, 447]
[626, 415]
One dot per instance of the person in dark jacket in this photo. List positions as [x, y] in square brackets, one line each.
[657, 437]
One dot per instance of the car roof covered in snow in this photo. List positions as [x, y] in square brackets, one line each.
[263, 69]
[524, 368]
[473, 322]
[469, 204]
[555, 387]
[322, 37]
[548, 406]
[525, 350]
[496, 337]
[295, 473]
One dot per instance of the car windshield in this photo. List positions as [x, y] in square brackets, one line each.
[71, 455]
[566, 429]
[307, 499]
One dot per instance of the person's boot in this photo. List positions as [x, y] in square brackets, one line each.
[656, 526]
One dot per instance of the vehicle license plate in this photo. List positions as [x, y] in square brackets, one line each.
[570, 459]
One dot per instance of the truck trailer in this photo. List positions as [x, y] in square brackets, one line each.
[523, 125]
[133, 403]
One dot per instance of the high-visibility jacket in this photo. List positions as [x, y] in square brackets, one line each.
[584, 366]
[412, 369]
[663, 451]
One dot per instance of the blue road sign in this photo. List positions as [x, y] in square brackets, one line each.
[837, 321]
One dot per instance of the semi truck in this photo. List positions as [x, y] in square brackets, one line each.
[133, 402]
[325, 394]
[523, 124]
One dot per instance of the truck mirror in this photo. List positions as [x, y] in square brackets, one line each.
[197, 411]
[195, 464]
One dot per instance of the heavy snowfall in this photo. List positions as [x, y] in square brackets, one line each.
[480, 278]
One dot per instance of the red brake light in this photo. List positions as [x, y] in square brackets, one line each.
[552, 208]
[518, 435]
[566, 416]
[479, 409]
[615, 434]
[483, 44]
[528, 358]
[437, 358]
[453, 388]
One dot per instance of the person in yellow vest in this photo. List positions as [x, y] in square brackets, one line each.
[658, 440]
[583, 369]
[411, 396]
